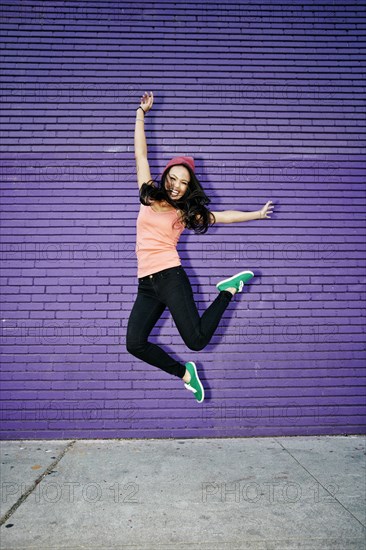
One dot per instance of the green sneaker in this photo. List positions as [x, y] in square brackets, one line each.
[237, 281]
[194, 384]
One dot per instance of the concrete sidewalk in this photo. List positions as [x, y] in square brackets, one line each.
[217, 494]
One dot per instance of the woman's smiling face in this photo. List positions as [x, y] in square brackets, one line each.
[177, 180]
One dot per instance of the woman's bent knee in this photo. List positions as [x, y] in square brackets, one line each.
[196, 345]
[134, 348]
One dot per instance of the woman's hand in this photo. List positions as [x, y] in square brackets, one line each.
[266, 210]
[147, 101]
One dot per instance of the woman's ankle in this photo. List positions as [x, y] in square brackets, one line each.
[232, 290]
[187, 377]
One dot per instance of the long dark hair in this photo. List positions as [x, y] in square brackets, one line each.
[195, 215]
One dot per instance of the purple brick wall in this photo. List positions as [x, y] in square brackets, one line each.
[269, 100]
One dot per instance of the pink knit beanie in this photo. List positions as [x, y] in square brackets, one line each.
[186, 161]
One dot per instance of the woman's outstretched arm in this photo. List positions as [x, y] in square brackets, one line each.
[234, 216]
[142, 165]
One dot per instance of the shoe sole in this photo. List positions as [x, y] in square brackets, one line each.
[199, 382]
[234, 277]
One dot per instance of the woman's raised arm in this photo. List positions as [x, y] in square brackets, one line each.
[142, 165]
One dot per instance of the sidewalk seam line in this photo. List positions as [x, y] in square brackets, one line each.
[325, 489]
[25, 495]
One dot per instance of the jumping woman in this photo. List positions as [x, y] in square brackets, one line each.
[174, 203]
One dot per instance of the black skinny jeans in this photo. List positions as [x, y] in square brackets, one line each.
[171, 288]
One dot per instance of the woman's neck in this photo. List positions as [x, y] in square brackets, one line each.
[163, 205]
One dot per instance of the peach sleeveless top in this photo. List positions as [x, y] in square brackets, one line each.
[157, 236]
